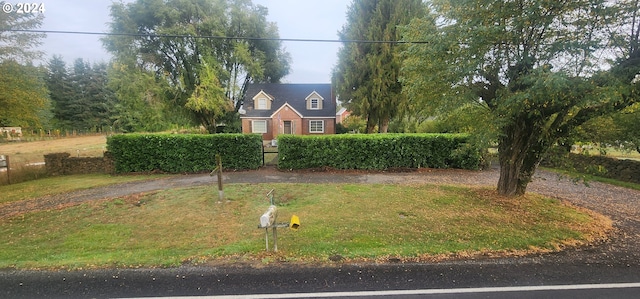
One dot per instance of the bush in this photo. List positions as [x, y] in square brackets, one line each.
[617, 169]
[377, 152]
[184, 153]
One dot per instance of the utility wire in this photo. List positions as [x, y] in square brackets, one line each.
[214, 37]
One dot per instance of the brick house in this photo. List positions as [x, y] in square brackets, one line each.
[302, 109]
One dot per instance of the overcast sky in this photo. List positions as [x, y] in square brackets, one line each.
[300, 19]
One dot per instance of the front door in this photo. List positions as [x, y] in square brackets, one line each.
[288, 127]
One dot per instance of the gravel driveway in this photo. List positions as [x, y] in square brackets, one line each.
[622, 205]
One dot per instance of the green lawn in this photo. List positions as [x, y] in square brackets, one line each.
[358, 222]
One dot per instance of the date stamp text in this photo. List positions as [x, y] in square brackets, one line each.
[23, 8]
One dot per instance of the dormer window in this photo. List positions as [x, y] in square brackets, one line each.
[314, 101]
[262, 101]
[262, 104]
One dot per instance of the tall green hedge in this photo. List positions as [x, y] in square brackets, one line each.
[377, 152]
[184, 153]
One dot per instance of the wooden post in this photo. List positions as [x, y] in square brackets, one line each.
[219, 168]
[275, 239]
[8, 169]
[218, 172]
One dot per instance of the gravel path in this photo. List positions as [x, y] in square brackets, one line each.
[622, 205]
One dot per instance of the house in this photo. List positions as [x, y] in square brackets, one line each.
[302, 109]
[342, 114]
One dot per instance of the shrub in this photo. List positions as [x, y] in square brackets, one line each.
[184, 153]
[377, 152]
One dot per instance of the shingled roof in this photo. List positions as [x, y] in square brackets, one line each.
[292, 94]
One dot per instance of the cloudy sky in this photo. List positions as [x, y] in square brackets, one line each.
[298, 19]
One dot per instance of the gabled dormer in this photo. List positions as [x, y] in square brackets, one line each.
[314, 101]
[262, 101]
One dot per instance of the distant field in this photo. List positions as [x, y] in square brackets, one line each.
[34, 151]
[616, 153]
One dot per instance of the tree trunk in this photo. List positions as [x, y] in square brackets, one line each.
[371, 125]
[384, 126]
[520, 151]
[510, 164]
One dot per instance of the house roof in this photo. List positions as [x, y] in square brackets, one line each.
[292, 94]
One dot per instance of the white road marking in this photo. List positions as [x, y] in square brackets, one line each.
[424, 292]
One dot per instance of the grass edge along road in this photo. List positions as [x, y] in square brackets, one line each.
[349, 222]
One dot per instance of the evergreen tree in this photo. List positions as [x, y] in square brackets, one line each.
[61, 92]
[366, 76]
[102, 99]
[82, 99]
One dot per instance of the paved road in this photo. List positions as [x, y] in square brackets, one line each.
[614, 262]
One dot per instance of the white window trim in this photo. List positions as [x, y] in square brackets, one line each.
[262, 101]
[322, 126]
[318, 106]
[253, 126]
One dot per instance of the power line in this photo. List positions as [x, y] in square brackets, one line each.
[214, 37]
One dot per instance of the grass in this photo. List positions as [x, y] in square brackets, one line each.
[613, 152]
[62, 184]
[357, 222]
[34, 151]
[24, 154]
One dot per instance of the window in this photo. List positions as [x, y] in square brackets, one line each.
[316, 126]
[262, 104]
[314, 103]
[259, 126]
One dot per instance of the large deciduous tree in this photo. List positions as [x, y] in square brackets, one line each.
[201, 48]
[143, 100]
[367, 73]
[23, 95]
[530, 64]
[20, 46]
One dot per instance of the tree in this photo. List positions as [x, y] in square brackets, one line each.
[367, 73]
[61, 91]
[101, 98]
[19, 46]
[143, 100]
[621, 128]
[203, 46]
[81, 96]
[209, 99]
[23, 95]
[532, 65]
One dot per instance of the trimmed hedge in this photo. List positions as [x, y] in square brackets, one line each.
[377, 152]
[184, 153]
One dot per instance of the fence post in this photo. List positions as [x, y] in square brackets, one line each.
[220, 190]
[218, 171]
[8, 169]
